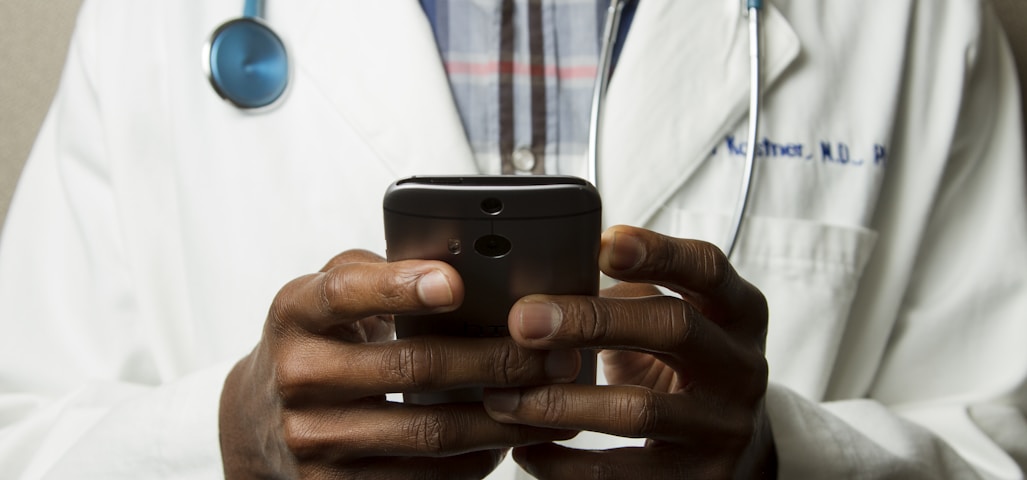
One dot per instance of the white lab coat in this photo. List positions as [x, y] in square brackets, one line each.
[154, 222]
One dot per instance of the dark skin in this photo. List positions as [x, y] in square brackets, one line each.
[688, 375]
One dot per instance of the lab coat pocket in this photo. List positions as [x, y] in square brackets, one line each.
[809, 273]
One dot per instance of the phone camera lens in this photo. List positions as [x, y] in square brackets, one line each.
[491, 206]
[493, 246]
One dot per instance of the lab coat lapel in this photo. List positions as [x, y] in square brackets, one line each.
[377, 62]
[681, 84]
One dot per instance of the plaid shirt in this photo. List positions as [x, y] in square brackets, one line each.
[521, 73]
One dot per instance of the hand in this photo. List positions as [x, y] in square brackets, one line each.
[309, 401]
[687, 374]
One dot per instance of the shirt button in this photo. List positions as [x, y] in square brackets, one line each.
[524, 160]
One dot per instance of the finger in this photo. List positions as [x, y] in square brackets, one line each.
[337, 298]
[694, 269]
[375, 328]
[625, 411]
[401, 430]
[353, 256]
[660, 325]
[331, 372]
[474, 465]
[629, 290]
[547, 461]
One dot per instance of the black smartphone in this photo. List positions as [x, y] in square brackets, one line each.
[508, 236]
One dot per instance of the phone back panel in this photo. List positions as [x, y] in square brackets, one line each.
[544, 238]
[508, 237]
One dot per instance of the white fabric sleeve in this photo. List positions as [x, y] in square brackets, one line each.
[950, 392]
[855, 439]
[80, 393]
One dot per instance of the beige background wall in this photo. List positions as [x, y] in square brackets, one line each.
[33, 41]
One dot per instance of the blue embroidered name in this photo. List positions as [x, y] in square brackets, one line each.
[838, 153]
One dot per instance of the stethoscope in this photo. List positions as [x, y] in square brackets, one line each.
[246, 60]
[247, 65]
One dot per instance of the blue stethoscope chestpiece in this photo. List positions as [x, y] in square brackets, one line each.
[247, 64]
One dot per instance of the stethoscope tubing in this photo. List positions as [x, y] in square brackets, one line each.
[755, 107]
[605, 70]
[253, 9]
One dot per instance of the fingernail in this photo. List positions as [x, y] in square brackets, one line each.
[502, 401]
[626, 251]
[539, 320]
[433, 289]
[562, 364]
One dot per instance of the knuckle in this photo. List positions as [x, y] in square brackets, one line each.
[761, 311]
[356, 290]
[432, 432]
[742, 429]
[553, 405]
[713, 264]
[393, 291]
[299, 438]
[287, 370]
[340, 292]
[352, 256]
[592, 326]
[641, 413]
[738, 428]
[756, 323]
[281, 306]
[748, 384]
[334, 283]
[293, 379]
[291, 383]
[501, 367]
[511, 365]
[284, 307]
[338, 260]
[683, 328]
[760, 304]
[758, 374]
[413, 363]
